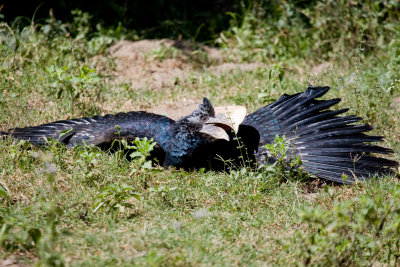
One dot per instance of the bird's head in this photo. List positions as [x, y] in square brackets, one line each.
[199, 116]
[201, 127]
[207, 122]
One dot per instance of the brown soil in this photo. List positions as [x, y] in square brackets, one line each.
[132, 65]
[226, 67]
[321, 68]
[137, 65]
[11, 262]
[176, 111]
[135, 62]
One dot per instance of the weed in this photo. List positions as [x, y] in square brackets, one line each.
[83, 84]
[114, 199]
[280, 164]
[143, 148]
[163, 192]
[3, 192]
[275, 77]
[163, 53]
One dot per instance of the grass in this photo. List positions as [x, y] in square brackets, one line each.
[50, 197]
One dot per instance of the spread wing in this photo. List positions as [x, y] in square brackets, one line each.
[96, 130]
[329, 145]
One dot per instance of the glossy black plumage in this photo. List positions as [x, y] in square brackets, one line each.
[329, 146]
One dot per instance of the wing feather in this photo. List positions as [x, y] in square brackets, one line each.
[330, 146]
[96, 130]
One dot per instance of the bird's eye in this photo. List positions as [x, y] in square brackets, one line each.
[204, 118]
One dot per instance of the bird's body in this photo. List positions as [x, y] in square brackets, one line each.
[330, 147]
[177, 139]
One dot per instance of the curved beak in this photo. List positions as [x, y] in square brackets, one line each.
[232, 116]
[227, 118]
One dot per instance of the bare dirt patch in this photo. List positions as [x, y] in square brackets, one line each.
[321, 68]
[157, 64]
[227, 67]
[169, 108]
[11, 262]
[160, 64]
[174, 111]
[396, 103]
[135, 65]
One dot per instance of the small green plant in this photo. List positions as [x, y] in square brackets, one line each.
[81, 25]
[16, 232]
[275, 77]
[89, 159]
[394, 87]
[48, 206]
[89, 155]
[285, 166]
[93, 38]
[19, 153]
[115, 199]
[142, 148]
[163, 192]
[245, 159]
[73, 83]
[3, 192]
[162, 53]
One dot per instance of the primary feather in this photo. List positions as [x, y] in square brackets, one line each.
[329, 146]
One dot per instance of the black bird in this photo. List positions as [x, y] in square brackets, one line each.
[330, 147]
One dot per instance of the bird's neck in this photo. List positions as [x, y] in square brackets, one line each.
[184, 141]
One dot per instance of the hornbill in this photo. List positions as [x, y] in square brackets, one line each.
[329, 146]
